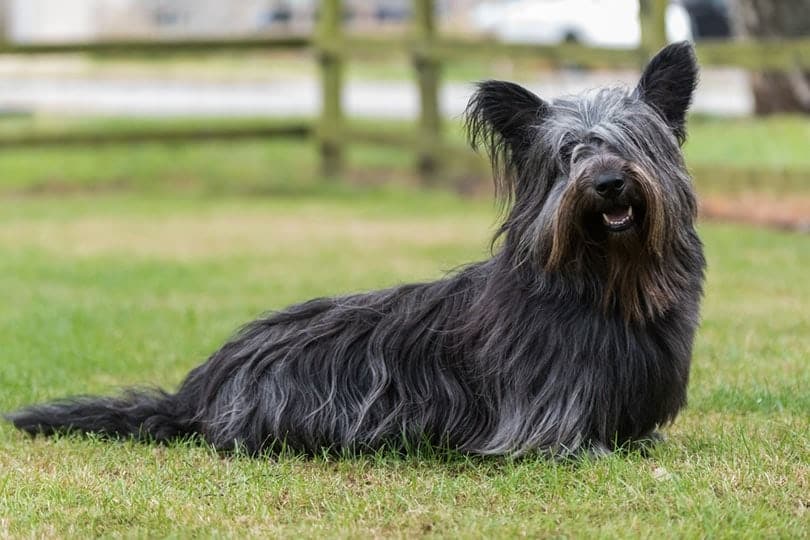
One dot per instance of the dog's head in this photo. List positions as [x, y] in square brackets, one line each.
[596, 183]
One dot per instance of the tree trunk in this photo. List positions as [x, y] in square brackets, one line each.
[776, 92]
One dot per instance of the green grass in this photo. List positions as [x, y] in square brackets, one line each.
[105, 290]
[725, 156]
[778, 142]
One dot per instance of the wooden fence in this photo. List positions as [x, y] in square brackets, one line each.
[428, 51]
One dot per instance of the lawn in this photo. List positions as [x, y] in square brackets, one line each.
[129, 264]
[102, 290]
[767, 157]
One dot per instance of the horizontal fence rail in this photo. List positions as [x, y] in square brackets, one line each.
[428, 52]
[199, 131]
[777, 55]
[152, 47]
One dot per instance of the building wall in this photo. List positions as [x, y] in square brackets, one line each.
[51, 20]
[81, 20]
[204, 17]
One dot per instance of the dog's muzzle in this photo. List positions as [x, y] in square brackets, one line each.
[610, 185]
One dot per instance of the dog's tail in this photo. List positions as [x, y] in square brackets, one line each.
[141, 414]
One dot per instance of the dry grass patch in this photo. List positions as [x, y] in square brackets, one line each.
[186, 238]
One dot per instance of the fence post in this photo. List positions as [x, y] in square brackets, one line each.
[331, 64]
[652, 16]
[427, 68]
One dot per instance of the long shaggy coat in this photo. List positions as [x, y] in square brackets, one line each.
[576, 334]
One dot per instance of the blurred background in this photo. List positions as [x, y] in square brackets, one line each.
[284, 95]
[169, 169]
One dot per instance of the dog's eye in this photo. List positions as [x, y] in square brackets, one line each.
[567, 152]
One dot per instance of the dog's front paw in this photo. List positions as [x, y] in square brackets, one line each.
[596, 451]
[646, 443]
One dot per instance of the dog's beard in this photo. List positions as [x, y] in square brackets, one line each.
[613, 249]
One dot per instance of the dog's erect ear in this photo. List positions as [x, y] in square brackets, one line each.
[668, 83]
[499, 117]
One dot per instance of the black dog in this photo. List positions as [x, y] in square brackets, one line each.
[576, 335]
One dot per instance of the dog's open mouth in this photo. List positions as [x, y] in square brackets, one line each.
[618, 219]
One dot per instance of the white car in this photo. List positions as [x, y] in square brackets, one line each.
[600, 23]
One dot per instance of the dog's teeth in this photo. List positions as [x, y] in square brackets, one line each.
[618, 222]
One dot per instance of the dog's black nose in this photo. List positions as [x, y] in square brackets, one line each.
[609, 184]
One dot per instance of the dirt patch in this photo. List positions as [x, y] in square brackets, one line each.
[788, 213]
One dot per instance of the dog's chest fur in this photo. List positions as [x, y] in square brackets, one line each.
[556, 370]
